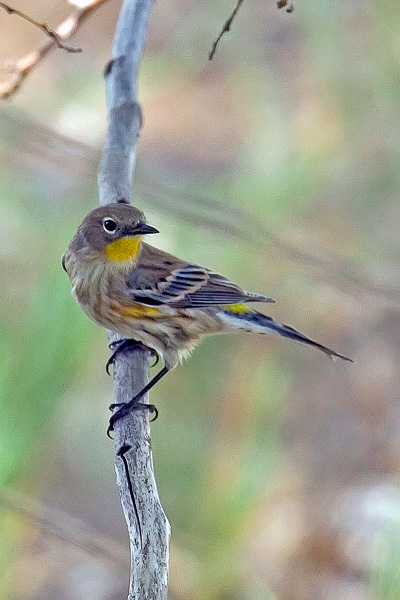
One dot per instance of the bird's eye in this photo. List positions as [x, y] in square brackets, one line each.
[109, 225]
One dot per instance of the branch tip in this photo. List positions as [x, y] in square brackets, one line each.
[42, 26]
[226, 27]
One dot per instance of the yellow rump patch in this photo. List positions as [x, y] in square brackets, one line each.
[237, 308]
[127, 248]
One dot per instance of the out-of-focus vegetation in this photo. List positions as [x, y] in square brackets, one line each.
[277, 165]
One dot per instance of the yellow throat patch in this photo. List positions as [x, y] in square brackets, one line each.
[127, 248]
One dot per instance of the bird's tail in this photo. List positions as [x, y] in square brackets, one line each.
[253, 321]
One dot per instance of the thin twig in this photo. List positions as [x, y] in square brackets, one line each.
[22, 67]
[228, 23]
[225, 29]
[42, 26]
[148, 526]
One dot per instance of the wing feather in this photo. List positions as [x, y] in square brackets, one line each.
[192, 286]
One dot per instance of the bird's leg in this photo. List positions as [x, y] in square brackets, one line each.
[122, 346]
[134, 404]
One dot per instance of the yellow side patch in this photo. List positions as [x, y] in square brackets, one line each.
[237, 308]
[127, 248]
[140, 311]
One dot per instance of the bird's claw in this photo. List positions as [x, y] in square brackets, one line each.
[153, 409]
[117, 347]
[127, 407]
[154, 354]
[122, 345]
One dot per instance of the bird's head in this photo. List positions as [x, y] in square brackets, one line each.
[113, 232]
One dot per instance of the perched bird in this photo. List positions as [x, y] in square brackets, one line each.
[149, 296]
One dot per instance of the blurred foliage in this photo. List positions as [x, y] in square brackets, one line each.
[277, 165]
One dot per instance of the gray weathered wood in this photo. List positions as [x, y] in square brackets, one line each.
[147, 524]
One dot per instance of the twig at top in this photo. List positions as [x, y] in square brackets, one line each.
[226, 27]
[228, 23]
[42, 26]
[22, 67]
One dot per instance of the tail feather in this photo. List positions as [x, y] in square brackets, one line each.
[260, 322]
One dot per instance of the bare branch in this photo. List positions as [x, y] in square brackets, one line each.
[42, 26]
[147, 524]
[228, 23]
[22, 67]
[225, 29]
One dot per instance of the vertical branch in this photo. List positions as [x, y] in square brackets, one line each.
[147, 524]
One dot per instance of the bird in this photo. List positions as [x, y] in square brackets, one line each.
[149, 296]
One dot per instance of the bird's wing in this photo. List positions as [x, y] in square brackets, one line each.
[191, 286]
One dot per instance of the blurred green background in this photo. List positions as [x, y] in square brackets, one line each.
[277, 165]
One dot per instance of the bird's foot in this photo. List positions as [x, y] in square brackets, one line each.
[126, 408]
[156, 357]
[122, 346]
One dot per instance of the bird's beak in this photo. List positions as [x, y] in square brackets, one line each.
[142, 229]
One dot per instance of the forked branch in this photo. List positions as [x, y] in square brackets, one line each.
[53, 35]
[56, 38]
